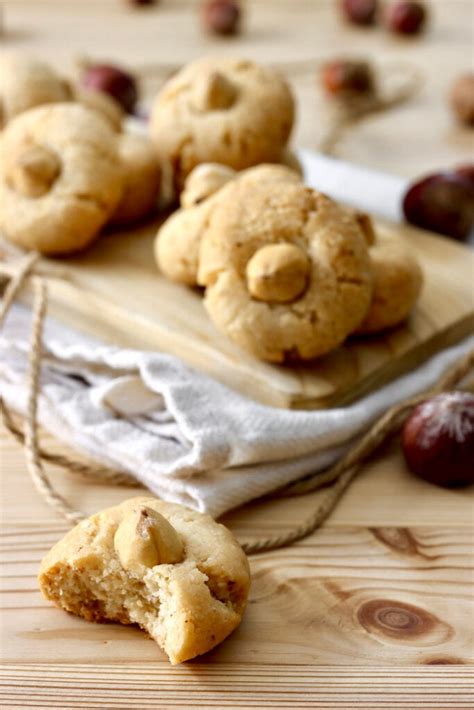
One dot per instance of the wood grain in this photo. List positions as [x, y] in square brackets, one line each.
[114, 291]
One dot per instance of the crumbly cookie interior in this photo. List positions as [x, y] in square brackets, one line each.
[187, 608]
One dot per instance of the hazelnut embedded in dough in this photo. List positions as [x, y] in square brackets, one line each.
[146, 538]
[204, 181]
[213, 92]
[34, 171]
[278, 272]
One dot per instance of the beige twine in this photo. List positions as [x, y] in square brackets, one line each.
[338, 476]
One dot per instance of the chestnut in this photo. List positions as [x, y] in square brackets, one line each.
[406, 17]
[360, 12]
[345, 76]
[443, 203]
[221, 17]
[462, 99]
[438, 439]
[112, 80]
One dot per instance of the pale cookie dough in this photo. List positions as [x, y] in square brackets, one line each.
[60, 178]
[398, 280]
[178, 240]
[142, 179]
[102, 103]
[176, 573]
[26, 83]
[286, 270]
[229, 111]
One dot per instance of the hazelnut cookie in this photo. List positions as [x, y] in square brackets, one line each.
[26, 83]
[178, 240]
[60, 178]
[176, 573]
[142, 178]
[286, 270]
[229, 111]
[398, 280]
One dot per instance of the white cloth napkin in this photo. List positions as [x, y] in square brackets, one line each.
[186, 437]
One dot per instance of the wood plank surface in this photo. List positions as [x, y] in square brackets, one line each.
[376, 609]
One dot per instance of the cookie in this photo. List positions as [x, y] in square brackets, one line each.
[178, 240]
[229, 111]
[176, 573]
[60, 178]
[398, 280]
[26, 83]
[286, 270]
[101, 102]
[142, 179]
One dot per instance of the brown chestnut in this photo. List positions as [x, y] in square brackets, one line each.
[360, 12]
[112, 80]
[462, 99]
[221, 17]
[346, 76]
[438, 439]
[406, 17]
[443, 203]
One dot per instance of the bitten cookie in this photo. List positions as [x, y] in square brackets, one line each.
[60, 178]
[178, 240]
[286, 270]
[229, 111]
[26, 83]
[176, 573]
[142, 179]
[398, 280]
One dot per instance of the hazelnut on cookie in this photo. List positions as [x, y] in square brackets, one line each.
[26, 83]
[286, 270]
[176, 573]
[61, 178]
[229, 111]
[178, 240]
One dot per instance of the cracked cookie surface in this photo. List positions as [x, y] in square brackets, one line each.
[286, 270]
[177, 573]
[229, 111]
[60, 177]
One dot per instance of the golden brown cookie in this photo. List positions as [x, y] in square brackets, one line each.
[142, 179]
[229, 111]
[102, 103]
[398, 279]
[60, 178]
[286, 270]
[178, 240]
[176, 573]
[26, 83]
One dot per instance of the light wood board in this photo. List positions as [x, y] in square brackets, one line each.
[114, 291]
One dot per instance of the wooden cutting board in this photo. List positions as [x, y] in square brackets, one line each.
[115, 292]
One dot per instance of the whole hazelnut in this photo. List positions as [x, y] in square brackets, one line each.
[462, 99]
[345, 76]
[221, 17]
[360, 12]
[114, 81]
[466, 172]
[141, 3]
[443, 203]
[406, 17]
[438, 439]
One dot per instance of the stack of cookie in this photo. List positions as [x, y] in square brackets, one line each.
[289, 274]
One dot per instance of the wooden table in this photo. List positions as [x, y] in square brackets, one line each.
[374, 610]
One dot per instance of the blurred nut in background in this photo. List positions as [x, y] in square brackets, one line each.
[360, 12]
[114, 81]
[347, 76]
[462, 99]
[406, 17]
[221, 17]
